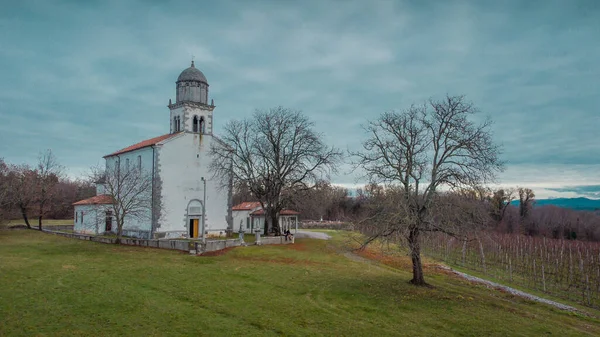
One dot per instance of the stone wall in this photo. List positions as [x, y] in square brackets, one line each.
[196, 247]
[346, 226]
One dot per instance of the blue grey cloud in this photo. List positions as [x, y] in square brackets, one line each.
[590, 191]
[86, 78]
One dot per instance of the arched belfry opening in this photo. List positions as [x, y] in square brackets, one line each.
[194, 218]
[195, 124]
[202, 126]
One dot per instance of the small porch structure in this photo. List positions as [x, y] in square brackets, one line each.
[249, 217]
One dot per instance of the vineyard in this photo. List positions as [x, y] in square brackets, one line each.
[566, 269]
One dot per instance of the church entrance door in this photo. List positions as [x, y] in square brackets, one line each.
[194, 229]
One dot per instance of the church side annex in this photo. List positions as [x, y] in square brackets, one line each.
[191, 200]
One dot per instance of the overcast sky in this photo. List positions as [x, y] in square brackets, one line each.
[86, 78]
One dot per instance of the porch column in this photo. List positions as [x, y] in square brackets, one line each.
[296, 225]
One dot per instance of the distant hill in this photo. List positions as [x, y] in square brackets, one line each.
[581, 204]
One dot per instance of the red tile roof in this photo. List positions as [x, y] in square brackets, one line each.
[246, 206]
[145, 143]
[282, 212]
[97, 200]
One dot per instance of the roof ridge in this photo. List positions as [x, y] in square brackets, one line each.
[144, 143]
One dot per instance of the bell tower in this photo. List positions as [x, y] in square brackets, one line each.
[191, 111]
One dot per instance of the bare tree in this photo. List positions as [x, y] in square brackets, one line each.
[273, 153]
[131, 191]
[4, 204]
[526, 200]
[501, 199]
[21, 185]
[49, 172]
[419, 151]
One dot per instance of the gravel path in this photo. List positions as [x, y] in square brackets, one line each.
[512, 290]
[357, 258]
[311, 235]
[494, 285]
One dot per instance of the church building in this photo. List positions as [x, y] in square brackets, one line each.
[191, 200]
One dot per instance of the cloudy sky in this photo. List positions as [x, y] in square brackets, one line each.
[85, 78]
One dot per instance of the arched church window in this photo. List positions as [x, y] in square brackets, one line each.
[127, 163]
[202, 130]
[140, 163]
[195, 124]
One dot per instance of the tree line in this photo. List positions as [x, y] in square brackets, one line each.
[35, 193]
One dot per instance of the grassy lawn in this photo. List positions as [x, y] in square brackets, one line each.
[50, 285]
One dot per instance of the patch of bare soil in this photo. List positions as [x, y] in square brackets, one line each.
[217, 252]
[297, 246]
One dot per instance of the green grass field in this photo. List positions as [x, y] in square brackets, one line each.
[54, 286]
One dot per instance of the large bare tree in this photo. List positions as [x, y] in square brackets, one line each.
[49, 172]
[4, 200]
[21, 189]
[131, 191]
[273, 153]
[420, 151]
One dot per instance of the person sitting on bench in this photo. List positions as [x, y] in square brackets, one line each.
[287, 235]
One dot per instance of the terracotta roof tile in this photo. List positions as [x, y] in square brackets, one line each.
[246, 206]
[145, 143]
[96, 200]
[282, 212]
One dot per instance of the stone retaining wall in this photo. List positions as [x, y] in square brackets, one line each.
[182, 245]
[345, 226]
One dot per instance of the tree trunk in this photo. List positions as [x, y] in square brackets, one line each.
[24, 214]
[119, 231]
[40, 216]
[275, 224]
[268, 223]
[415, 254]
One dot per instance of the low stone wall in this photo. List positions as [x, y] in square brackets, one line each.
[275, 240]
[55, 227]
[196, 247]
[346, 226]
[182, 245]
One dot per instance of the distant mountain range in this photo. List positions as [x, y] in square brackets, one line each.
[581, 204]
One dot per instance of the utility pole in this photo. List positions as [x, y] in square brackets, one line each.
[204, 211]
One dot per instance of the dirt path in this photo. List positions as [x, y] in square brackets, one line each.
[512, 290]
[357, 258]
[311, 235]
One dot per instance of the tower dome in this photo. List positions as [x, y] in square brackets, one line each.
[192, 86]
[192, 74]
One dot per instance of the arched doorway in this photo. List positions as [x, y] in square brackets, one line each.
[194, 215]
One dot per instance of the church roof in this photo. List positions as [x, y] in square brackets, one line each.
[96, 200]
[144, 143]
[192, 74]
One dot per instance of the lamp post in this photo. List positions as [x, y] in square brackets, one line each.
[203, 211]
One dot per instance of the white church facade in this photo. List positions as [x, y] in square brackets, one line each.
[190, 199]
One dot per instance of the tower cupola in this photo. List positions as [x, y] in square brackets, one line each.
[192, 86]
[191, 111]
